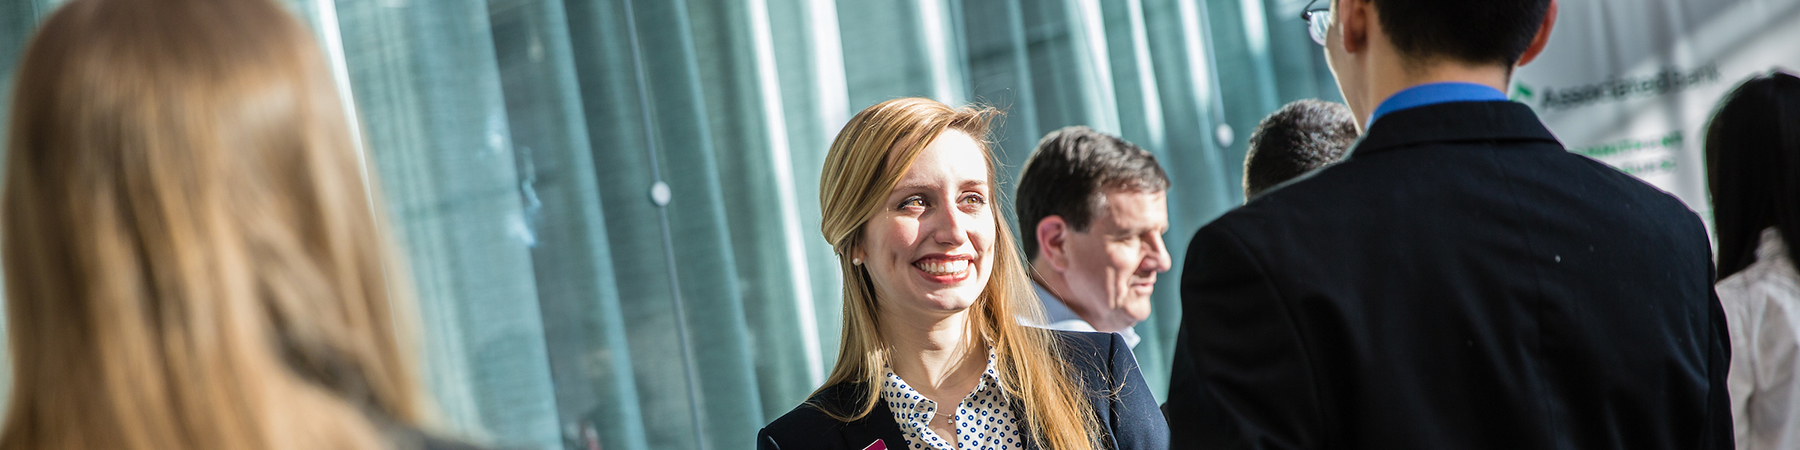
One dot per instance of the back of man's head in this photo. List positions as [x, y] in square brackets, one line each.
[1071, 171]
[1299, 138]
[1483, 32]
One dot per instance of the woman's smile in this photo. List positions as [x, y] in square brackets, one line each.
[945, 269]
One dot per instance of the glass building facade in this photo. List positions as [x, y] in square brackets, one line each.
[610, 207]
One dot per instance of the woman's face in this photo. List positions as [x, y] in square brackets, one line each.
[929, 249]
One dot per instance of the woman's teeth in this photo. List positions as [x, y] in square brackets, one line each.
[951, 267]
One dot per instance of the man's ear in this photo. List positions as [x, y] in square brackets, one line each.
[1052, 233]
[1352, 23]
[1542, 38]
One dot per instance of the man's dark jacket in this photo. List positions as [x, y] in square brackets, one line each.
[1123, 405]
[1459, 282]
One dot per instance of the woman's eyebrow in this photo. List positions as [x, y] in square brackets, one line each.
[912, 187]
[967, 184]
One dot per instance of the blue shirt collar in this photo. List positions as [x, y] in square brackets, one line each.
[1435, 93]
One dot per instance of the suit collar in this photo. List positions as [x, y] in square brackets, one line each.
[1434, 93]
[1453, 122]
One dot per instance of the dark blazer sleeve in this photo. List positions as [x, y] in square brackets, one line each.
[1135, 421]
[1241, 378]
[1719, 433]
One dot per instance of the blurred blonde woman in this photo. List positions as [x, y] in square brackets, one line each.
[190, 254]
[933, 355]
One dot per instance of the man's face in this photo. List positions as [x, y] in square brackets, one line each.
[1112, 266]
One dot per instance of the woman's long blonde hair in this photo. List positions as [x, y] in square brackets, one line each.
[191, 256]
[865, 162]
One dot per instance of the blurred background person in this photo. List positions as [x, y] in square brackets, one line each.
[1093, 209]
[1301, 137]
[1753, 172]
[191, 257]
[933, 355]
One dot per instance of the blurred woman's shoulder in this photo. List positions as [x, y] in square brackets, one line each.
[405, 437]
[433, 443]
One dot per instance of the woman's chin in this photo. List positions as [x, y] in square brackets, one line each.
[952, 299]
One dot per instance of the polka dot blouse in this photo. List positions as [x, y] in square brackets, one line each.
[984, 420]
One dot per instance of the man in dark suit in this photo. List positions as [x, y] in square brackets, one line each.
[1461, 281]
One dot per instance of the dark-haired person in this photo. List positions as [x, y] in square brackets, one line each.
[1093, 209]
[1753, 165]
[1301, 137]
[1460, 281]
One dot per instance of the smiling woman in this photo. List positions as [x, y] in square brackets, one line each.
[935, 242]
[933, 290]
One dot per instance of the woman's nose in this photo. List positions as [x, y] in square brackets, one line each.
[950, 226]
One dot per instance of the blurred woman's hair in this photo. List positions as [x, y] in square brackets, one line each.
[864, 164]
[191, 252]
[1753, 167]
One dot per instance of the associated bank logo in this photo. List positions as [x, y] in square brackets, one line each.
[1617, 89]
[1523, 93]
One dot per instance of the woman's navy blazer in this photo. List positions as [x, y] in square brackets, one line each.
[1126, 411]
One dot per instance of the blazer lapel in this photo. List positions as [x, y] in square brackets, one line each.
[1026, 442]
[878, 425]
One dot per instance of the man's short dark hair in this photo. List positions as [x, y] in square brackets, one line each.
[1299, 138]
[1070, 173]
[1470, 31]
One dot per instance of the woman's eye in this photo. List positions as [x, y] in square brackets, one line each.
[913, 201]
[974, 199]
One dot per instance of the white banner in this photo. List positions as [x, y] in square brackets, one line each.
[1632, 83]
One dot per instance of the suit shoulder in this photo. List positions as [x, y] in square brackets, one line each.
[805, 422]
[1084, 340]
[1262, 224]
[1090, 352]
[1664, 207]
[807, 416]
[1297, 202]
[801, 427]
